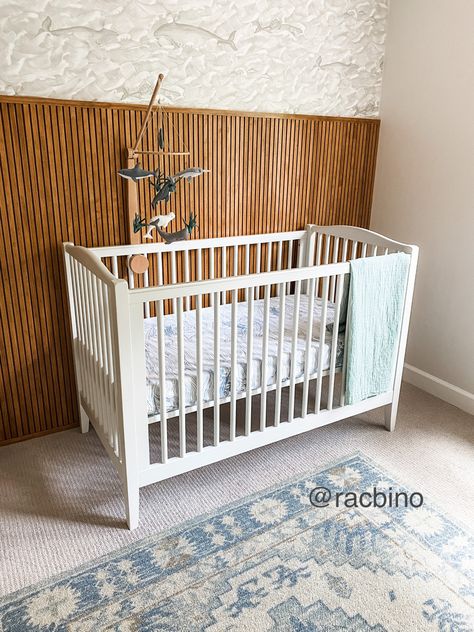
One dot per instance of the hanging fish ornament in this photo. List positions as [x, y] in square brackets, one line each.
[135, 174]
[161, 139]
[180, 235]
[190, 173]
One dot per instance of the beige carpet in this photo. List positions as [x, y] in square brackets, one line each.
[61, 501]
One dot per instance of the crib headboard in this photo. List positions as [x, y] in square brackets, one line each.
[333, 244]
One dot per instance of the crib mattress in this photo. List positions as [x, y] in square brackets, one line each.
[189, 335]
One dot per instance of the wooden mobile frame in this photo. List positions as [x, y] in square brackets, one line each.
[131, 155]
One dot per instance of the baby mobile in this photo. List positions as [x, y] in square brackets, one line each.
[163, 187]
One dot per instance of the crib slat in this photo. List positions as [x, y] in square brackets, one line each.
[354, 250]
[159, 265]
[199, 381]
[103, 353]
[258, 267]
[294, 349]
[247, 267]
[335, 338]
[211, 273]
[374, 251]
[131, 276]
[322, 337]
[98, 349]
[217, 367]
[162, 372]
[301, 254]
[332, 286]
[233, 365]
[87, 343]
[79, 310]
[309, 338]
[342, 398]
[269, 257]
[199, 264]
[279, 258]
[263, 371]
[364, 250]
[78, 321]
[224, 270]
[327, 246]
[114, 435]
[91, 343]
[319, 248]
[248, 402]
[108, 345]
[181, 378]
[289, 263]
[186, 274]
[173, 276]
[344, 250]
[281, 332]
[115, 267]
[108, 382]
[101, 350]
[146, 283]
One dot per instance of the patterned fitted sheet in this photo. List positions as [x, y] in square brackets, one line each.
[189, 335]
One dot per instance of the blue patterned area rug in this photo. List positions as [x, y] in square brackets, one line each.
[276, 562]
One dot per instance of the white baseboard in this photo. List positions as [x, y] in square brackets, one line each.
[439, 388]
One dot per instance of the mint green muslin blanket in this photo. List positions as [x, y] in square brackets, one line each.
[374, 313]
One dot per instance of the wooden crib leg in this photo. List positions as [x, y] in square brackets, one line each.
[390, 413]
[84, 420]
[132, 504]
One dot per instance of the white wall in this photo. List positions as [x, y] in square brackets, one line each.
[316, 57]
[424, 191]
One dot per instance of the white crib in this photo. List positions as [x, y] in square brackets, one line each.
[293, 383]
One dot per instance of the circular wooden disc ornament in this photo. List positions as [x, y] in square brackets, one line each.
[138, 264]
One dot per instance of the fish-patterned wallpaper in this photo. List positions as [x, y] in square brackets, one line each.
[304, 56]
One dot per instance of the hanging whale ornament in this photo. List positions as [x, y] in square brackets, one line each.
[163, 187]
[180, 235]
[159, 221]
[135, 174]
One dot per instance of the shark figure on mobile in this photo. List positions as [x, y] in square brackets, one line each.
[189, 173]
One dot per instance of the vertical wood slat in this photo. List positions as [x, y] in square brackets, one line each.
[303, 169]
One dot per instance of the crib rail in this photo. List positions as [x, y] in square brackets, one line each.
[203, 259]
[303, 282]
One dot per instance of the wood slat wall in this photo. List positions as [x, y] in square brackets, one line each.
[58, 183]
